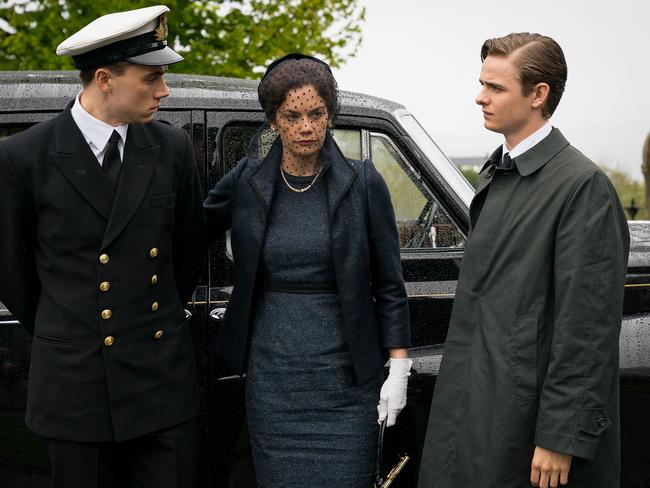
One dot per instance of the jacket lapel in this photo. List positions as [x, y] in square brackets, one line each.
[264, 179]
[140, 154]
[339, 174]
[78, 164]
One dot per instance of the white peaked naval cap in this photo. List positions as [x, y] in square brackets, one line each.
[138, 36]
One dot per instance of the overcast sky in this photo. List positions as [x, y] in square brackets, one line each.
[424, 54]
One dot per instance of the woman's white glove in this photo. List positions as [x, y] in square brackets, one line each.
[392, 398]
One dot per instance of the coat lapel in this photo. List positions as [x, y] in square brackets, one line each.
[138, 164]
[263, 180]
[78, 164]
[339, 174]
[526, 164]
[488, 170]
[486, 174]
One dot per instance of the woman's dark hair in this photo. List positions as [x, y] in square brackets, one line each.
[294, 73]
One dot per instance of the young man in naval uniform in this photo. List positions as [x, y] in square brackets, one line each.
[100, 213]
[528, 388]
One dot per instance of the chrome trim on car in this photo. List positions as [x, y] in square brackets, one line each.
[365, 144]
[448, 170]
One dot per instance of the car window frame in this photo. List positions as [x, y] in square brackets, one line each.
[367, 132]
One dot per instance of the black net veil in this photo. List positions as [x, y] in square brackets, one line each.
[292, 71]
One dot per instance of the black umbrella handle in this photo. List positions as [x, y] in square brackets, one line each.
[379, 481]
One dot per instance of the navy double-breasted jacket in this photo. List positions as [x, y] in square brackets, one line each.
[365, 253]
[101, 285]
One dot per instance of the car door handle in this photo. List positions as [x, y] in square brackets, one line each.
[9, 322]
[217, 314]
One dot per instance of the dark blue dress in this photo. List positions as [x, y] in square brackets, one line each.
[310, 424]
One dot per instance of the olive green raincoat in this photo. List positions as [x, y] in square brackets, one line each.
[531, 356]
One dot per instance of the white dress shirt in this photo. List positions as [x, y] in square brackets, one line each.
[96, 132]
[530, 141]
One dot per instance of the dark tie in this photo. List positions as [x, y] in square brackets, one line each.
[112, 162]
[506, 162]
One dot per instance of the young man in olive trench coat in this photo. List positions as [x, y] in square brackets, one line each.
[102, 246]
[528, 388]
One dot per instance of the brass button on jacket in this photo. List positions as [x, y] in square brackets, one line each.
[103, 258]
[158, 334]
[104, 286]
[154, 280]
[154, 306]
[106, 314]
[109, 341]
[154, 252]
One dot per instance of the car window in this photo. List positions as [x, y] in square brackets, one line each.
[421, 221]
[236, 138]
[349, 140]
[235, 141]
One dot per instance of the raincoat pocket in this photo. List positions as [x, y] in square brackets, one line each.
[526, 358]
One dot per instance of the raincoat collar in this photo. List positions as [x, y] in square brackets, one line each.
[536, 157]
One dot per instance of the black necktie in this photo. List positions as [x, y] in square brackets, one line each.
[112, 162]
[506, 162]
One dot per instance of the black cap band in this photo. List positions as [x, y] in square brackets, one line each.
[117, 51]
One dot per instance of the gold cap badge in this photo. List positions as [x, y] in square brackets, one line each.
[160, 32]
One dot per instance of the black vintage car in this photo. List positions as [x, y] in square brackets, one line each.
[431, 200]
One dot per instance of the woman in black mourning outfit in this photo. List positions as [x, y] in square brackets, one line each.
[318, 302]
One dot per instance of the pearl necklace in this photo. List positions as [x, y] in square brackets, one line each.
[301, 190]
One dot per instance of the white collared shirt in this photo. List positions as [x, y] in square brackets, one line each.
[96, 132]
[530, 141]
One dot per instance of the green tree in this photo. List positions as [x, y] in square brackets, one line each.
[228, 38]
[471, 175]
[645, 167]
[629, 191]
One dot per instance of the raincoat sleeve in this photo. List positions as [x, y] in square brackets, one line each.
[19, 283]
[386, 279]
[591, 249]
